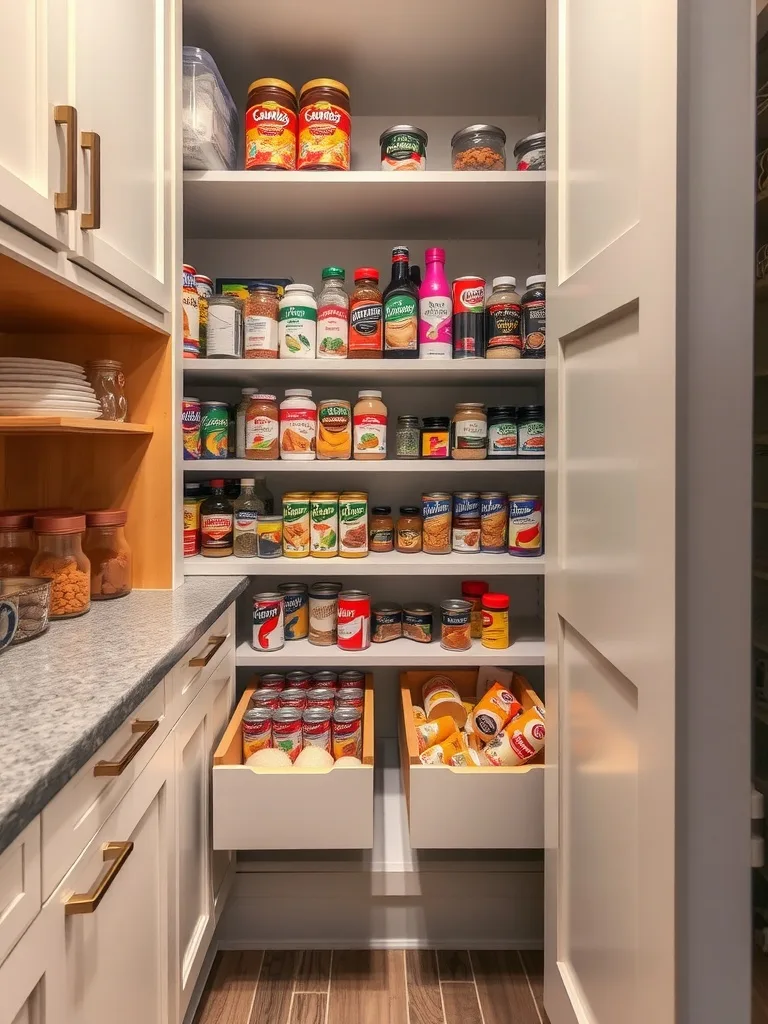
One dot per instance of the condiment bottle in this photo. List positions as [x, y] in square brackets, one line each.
[400, 310]
[261, 428]
[408, 536]
[472, 591]
[435, 309]
[381, 531]
[365, 316]
[504, 337]
[297, 326]
[332, 316]
[216, 523]
[242, 408]
[246, 511]
[534, 306]
[370, 426]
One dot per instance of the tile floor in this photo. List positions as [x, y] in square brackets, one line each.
[374, 987]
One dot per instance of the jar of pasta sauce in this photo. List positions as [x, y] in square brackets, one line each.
[325, 126]
[530, 430]
[270, 126]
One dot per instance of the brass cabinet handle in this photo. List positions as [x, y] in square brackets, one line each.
[201, 660]
[115, 854]
[92, 219]
[67, 200]
[145, 730]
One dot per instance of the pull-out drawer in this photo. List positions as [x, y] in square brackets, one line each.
[206, 654]
[291, 808]
[468, 808]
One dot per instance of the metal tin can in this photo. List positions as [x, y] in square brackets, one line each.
[525, 512]
[266, 699]
[352, 697]
[325, 677]
[269, 536]
[468, 295]
[316, 728]
[465, 535]
[351, 677]
[386, 623]
[417, 622]
[466, 504]
[190, 428]
[190, 308]
[214, 430]
[298, 679]
[323, 611]
[324, 524]
[204, 286]
[287, 732]
[321, 697]
[493, 521]
[354, 620]
[293, 698]
[296, 604]
[268, 622]
[191, 527]
[347, 733]
[436, 511]
[296, 524]
[455, 629]
[257, 730]
[353, 524]
[272, 681]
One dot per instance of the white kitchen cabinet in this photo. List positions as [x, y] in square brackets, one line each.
[222, 691]
[32, 976]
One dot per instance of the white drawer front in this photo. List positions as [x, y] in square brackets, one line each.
[196, 666]
[20, 881]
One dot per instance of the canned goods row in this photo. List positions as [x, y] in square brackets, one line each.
[324, 613]
[338, 731]
[303, 679]
[391, 621]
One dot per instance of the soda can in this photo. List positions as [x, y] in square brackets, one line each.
[316, 728]
[294, 699]
[257, 730]
[468, 295]
[191, 527]
[352, 697]
[354, 620]
[268, 628]
[190, 428]
[325, 677]
[214, 430]
[287, 733]
[351, 677]
[298, 679]
[525, 511]
[272, 681]
[347, 733]
[266, 699]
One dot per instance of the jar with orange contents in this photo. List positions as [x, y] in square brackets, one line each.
[60, 559]
[17, 543]
[480, 147]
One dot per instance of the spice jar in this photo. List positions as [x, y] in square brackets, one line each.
[504, 327]
[381, 531]
[409, 530]
[502, 432]
[472, 591]
[298, 426]
[109, 554]
[246, 511]
[365, 329]
[332, 315]
[60, 559]
[224, 332]
[261, 428]
[479, 147]
[408, 437]
[434, 437]
[325, 126]
[469, 431]
[270, 126]
[107, 379]
[17, 543]
[297, 322]
[260, 326]
[370, 426]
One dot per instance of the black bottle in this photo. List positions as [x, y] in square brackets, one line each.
[400, 310]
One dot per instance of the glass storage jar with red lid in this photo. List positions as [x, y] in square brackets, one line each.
[60, 559]
[17, 543]
[109, 554]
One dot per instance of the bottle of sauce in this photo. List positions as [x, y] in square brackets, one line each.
[216, 523]
[365, 316]
[435, 309]
[400, 310]
[370, 427]
[332, 316]
[261, 428]
[246, 511]
[504, 329]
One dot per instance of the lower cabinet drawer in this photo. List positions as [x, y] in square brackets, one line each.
[291, 808]
[20, 898]
[468, 808]
[196, 665]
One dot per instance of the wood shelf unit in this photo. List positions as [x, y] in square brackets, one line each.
[70, 425]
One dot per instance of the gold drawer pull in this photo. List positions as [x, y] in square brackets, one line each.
[201, 660]
[115, 854]
[67, 200]
[92, 219]
[145, 730]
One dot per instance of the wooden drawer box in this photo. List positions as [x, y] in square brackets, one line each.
[291, 808]
[468, 808]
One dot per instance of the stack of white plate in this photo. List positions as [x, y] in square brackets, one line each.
[45, 387]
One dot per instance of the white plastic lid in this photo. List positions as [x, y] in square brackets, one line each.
[297, 392]
[299, 288]
[498, 282]
[368, 394]
[264, 398]
[247, 481]
[536, 279]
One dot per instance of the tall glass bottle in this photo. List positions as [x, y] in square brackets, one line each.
[216, 523]
[400, 303]
[332, 316]
[435, 309]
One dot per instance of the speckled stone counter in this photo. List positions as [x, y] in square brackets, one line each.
[63, 694]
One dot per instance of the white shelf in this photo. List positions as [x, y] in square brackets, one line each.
[389, 564]
[405, 653]
[404, 372]
[250, 467]
[370, 204]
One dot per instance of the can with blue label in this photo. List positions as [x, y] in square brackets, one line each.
[493, 521]
[466, 505]
[436, 514]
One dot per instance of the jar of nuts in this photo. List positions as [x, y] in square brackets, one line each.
[479, 147]
[107, 550]
[60, 559]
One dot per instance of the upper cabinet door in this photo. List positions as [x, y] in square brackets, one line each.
[610, 528]
[34, 150]
[120, 55]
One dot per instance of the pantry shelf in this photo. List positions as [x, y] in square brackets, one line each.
[341, 204]
[247, 467]
[68, 425]
[389, 564]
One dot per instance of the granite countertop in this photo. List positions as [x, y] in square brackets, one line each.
[63, 694]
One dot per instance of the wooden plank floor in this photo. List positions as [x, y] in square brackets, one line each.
[374, 987]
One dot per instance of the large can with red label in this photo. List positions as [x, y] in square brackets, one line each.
[354, 620]
[525, 512]
[468, 318]
[317, 728]
[287, 732]
[257, 730]
[268, 622]
[347, 733]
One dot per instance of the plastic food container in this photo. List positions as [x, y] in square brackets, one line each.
[31, 596]
[479, 147]
[209, 115]
[531, 153]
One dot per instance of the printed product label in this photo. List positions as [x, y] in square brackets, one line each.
[371, 433]
[434, 445]
[531, 438]
[190, 308]
[435, 327]
[466, 536]
[270, 136]
[298, 429]
[268, 626]
[324, 136]
[324, 528]
[382, 539]
[332, 332]
[524, 527]
[190, 430]
[470, 433]
[354, 627]
[216, 530]
[260, 335]
[222, 331]
[260, 433]
[534, 329]
[431, 507]
[502, 439]
[245, 521]
[295, 527]
[404, 152]
[296, 607]
[353, 526]
[297, 332]
[214, 433]
[504, 326]
[365, 327]
[400, 324]
[466, 507]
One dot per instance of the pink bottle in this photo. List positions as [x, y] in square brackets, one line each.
[435, 309]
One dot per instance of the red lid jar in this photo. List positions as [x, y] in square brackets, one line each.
[109, 554]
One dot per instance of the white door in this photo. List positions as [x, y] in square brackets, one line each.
[119, 56]
[37, 154]
[610, 490]
[222, 688]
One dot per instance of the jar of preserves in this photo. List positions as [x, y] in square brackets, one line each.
[260, 327]
[534, 307]
[298, 426]
[502, 432]
[408, 437]
[17, 543]
[504, 328]
[334, 429]
[370, 426]
[435, 437]
[365, 306]
[262, 434]
[381, 531]
[408, 535]
[479, 147]
[297, 326]
[60, 558]
[469, 431]
[224, 332]
[271, 126]
[108, 552]
[325, 126]
[332, 315]
[107, 379]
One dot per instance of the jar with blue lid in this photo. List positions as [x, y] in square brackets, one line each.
[530, 430]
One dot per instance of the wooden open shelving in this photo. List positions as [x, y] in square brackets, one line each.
[68, 425]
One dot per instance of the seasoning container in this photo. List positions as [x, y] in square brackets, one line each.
[216, 523]
[297, 322]
[107, 550]
[455, 632]
[325, 126]
[271, 126]
[296, 522]
[468, 304]
[403, 148]
[435, 434]
[296, 610]
[240, 412]
[298, 426]
[354, 620]
[493, 521]
[370, 426]
[436, 512]
[504, 337]
[479, 147]
[225, 327]
[534, 312]
[531, 152]
[32, 597]
[60, 558]
[262, 310]
[334, 429]
[214, 430]
[472, 591]
[324, 524]
[204, 286]
[332, 315]
[365, 311]
[502, 432]
[381, 533]
[386, 622]
[17, 543]
[417, 622]
[262, 435]
[469, 431]
[323, 602]
[408, 536]
[190, 311]
[353, 524]
[246, 511]
[107, 379]
[190, 428]
[495, 621]
[269, 536]
[408, 437]
[268, 623]
[525, 514]
[530, 430]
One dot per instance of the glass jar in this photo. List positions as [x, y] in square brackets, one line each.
[408, 437]
[502, 432]
[224, 332]
[332, 316]
[472, 591]
[297, 322]
[109, 554]
[531, 152]
[530, 430]
[479, 147]
[60, 559]
[334, 429]
[435, 437]
[370, 427]
[17, 543]
[261, 428]
[325, 126]
[504, 321]
[242, 409]
[271, 118]
[298, 426]
[408, 537]
[381, 531]
[108, 381]
[260, 325]
[469, 431]
[365, 310]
